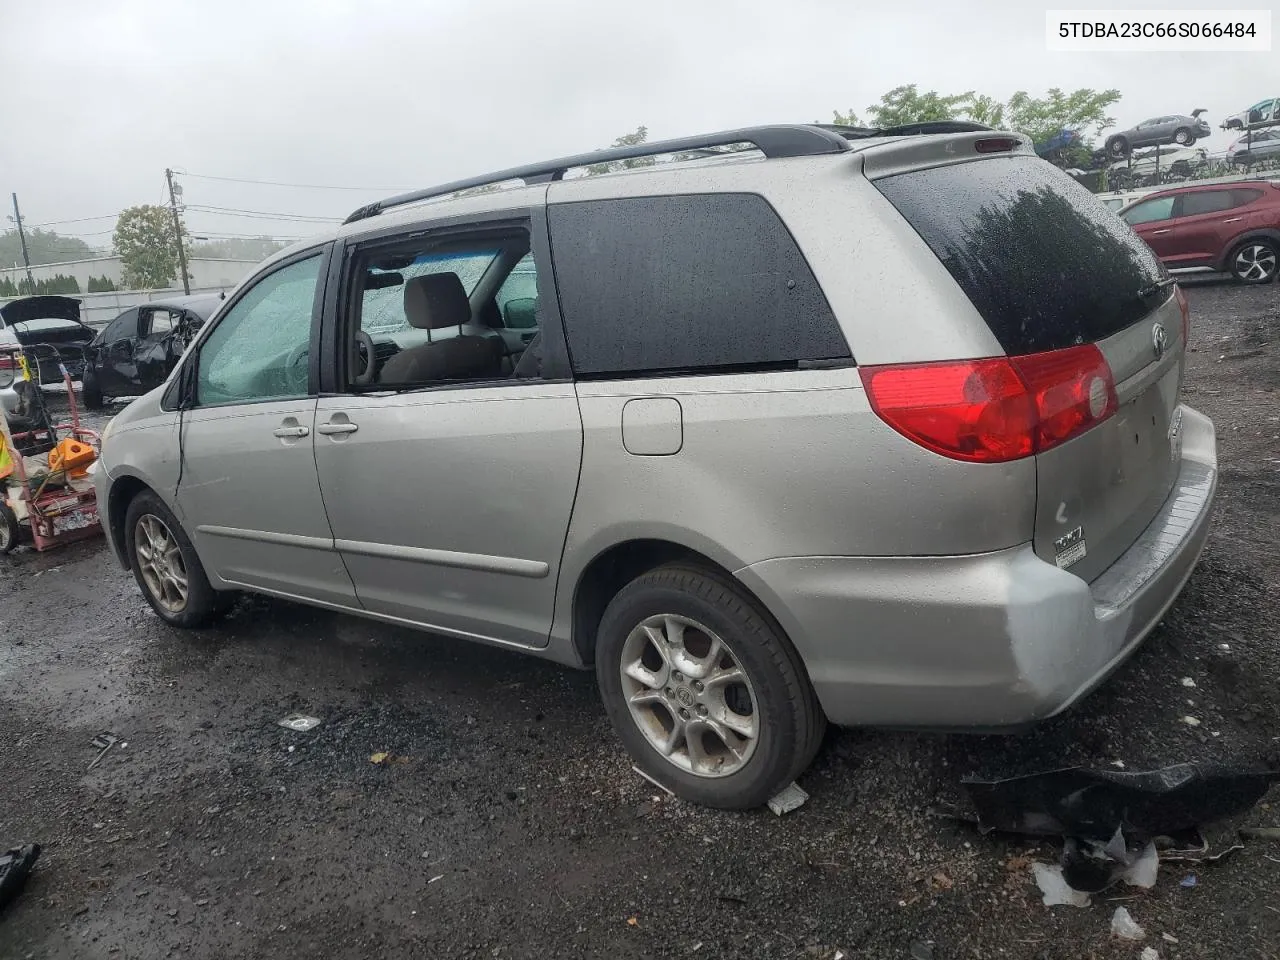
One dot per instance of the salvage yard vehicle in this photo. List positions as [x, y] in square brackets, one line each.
[1148, 165]
[1265, 113]
[137, 350]
[826, 429]
[48, 320]
[1229, 227]
[1174, 128]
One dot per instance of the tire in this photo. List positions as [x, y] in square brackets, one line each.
[1183, 137]
[1254, 261]
[91, 393]
[1118, 147]
[9, 530]
[201, 603]
[778, 724]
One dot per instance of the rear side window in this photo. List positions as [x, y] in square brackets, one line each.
[686, 283]
[1205, 201]
[1043, 261]
[1240, 198]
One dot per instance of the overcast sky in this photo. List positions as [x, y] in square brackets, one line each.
[101, 97]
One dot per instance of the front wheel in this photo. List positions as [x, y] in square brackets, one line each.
[166, 566]
[1118, 147]
[1255, 261]
[1183, 137]
[710, 699]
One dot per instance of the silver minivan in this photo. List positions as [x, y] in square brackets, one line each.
[838, 426]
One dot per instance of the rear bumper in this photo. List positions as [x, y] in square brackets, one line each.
[990, 640]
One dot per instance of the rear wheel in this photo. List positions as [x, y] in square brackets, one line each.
[1183, 137]
[1118, 147]
[166, 566]
[1255, 261]
[708, 696]
[9, 529]
[90, 392]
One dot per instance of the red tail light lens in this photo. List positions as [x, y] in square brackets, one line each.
[995, 144]
[1185, 307]
[7, 362]
[994, 410]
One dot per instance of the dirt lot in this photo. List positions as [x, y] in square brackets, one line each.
[515, 827]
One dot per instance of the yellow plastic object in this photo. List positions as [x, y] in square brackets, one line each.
[72, 456]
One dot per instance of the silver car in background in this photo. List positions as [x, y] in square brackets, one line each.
[845, 427]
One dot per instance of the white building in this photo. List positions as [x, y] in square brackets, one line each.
[205, 271]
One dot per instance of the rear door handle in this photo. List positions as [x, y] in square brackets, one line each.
[1156, 233]
[290, 432]
[331, 428]
[1233, 220]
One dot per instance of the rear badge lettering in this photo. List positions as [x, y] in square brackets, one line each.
[1070, 548]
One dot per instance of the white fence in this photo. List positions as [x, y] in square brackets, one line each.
[99, 309]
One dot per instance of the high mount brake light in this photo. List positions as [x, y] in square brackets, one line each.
[997, 409]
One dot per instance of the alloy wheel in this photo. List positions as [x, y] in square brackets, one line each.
[160, 563]
[1255, 262]
[689, 696]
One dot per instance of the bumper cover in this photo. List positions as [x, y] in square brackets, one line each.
[987, 641]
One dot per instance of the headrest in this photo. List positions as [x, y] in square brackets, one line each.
[436, 300]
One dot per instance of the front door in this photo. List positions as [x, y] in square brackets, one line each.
[1154, 223]
[158, 345]
[114, 360]
[248, 491]
[449, 480]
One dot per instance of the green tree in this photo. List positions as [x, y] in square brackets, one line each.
[43, 246]
[101, 284]
[638, 136]
[906, 104]
[148, 249]
[1082, 111]
[7, 288]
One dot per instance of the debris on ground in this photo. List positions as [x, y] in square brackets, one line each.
[15, 867]
[299, 722]
[790, 797]
[1188, 682]
[921, 950]
[1094, 804]
[1055, 890]
[1188, 881]
[1260, 833]
[653, 781]
[104, 742]
[1125, 927]
[384, 757]
[1191, 721]
[1092, 867]
[1149, 953]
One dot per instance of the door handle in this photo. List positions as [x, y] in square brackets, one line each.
[1233, 220]
[331, 428]
[1156, 233]
[285, 433]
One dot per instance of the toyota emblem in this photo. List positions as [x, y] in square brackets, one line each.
[1158, 339]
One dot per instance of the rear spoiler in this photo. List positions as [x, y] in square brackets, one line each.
[918, 153]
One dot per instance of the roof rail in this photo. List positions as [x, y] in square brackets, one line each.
[782, 140]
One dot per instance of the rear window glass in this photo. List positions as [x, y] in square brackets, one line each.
[45, 325]
[692, 283]
[1045, 263]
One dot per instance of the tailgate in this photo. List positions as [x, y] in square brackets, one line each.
[1050, 268]
[1096, 493]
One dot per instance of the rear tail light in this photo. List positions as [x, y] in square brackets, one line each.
[997, 409]
[6, 362]
[1185, 307]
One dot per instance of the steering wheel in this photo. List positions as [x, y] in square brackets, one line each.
[363, 357]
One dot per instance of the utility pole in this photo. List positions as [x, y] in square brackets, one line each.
[177, 231]
[22, 240]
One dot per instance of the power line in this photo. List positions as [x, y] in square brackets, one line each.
[260, 214]
[302, 186]
[54, 223]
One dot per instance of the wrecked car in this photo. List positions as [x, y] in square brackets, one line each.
[755, 483]
[1264, 113]
[1171, 128]
[50, 328]
[137, 350]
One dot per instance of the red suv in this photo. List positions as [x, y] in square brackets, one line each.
[1234, 228]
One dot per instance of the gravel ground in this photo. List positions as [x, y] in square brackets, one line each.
[509, 824]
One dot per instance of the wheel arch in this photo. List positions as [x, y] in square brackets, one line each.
[122, 492]
[1229, 251]
[617, 564]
